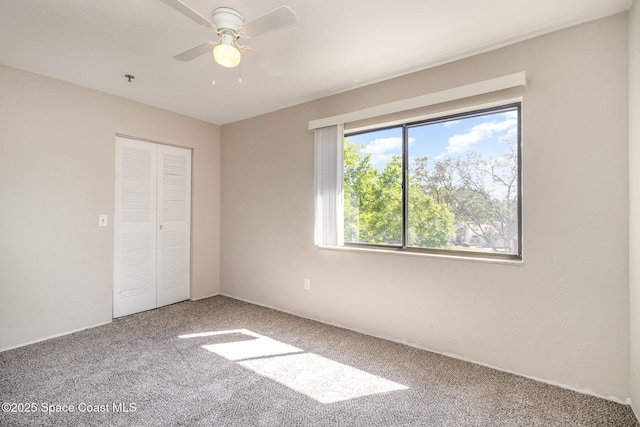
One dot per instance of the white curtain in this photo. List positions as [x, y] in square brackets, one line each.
[329, 173]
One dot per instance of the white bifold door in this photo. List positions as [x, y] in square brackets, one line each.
[152, 231]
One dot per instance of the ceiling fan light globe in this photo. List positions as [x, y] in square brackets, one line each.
[226, 55]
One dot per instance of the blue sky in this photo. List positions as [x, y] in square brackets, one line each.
[483, 134]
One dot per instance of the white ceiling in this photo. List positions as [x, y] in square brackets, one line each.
[335, 45]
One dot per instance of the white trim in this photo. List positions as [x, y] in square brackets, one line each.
[205, 297]
[466, 91]
[445, 256]
[438, 114]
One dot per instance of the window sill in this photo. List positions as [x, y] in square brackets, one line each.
[451, 257]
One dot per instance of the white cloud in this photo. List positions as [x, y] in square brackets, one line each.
[384, 145]
[511, 114]
[511, 134]
[383, 149]
[462, 142]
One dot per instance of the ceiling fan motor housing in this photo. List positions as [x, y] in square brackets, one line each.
[227, 18]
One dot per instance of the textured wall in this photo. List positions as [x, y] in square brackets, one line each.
[634, 201]
[562, 316]
[57, 145]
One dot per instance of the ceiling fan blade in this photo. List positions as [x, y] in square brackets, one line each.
[277, 18]
[268, 66]
[189, 13]
[195, 52]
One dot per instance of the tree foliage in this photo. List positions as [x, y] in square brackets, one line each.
[447, 200]
[482, 193]
[373, 205]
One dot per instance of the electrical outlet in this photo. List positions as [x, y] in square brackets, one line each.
[307, 284]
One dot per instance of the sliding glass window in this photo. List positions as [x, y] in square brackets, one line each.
[449, 184]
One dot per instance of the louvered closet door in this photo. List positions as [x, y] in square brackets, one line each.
[174, 201]
[135, 216]
[151, 226]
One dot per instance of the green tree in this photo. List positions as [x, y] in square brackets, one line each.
[359, 182]
[373, 205]
[430, 223]
[482, 193]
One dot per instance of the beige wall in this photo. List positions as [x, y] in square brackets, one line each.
[562, 317]
[634, 201]
[57, 145]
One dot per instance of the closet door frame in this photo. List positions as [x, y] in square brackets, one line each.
[152, 225]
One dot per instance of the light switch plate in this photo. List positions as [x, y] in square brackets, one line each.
[103, 220]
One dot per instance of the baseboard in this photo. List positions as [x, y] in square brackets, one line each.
[589, 392]
[78, 330]
[205, 297]
[55, 336]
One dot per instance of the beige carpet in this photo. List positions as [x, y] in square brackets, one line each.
[222, 362]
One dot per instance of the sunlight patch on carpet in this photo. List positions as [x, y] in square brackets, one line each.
[260, 347]
[218, 333]
[320, 378]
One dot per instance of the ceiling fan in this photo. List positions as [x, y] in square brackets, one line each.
[230, 26]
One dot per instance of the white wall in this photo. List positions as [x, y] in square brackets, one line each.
[562, 317]
[57, 145]
[634, 201]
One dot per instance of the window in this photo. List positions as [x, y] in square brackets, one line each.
[450, 184]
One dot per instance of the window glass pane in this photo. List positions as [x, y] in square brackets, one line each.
[373, 187]
[463, 183]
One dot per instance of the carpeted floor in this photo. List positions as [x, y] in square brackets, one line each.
[222, 362]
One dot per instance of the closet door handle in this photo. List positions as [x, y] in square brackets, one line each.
[162, 227]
